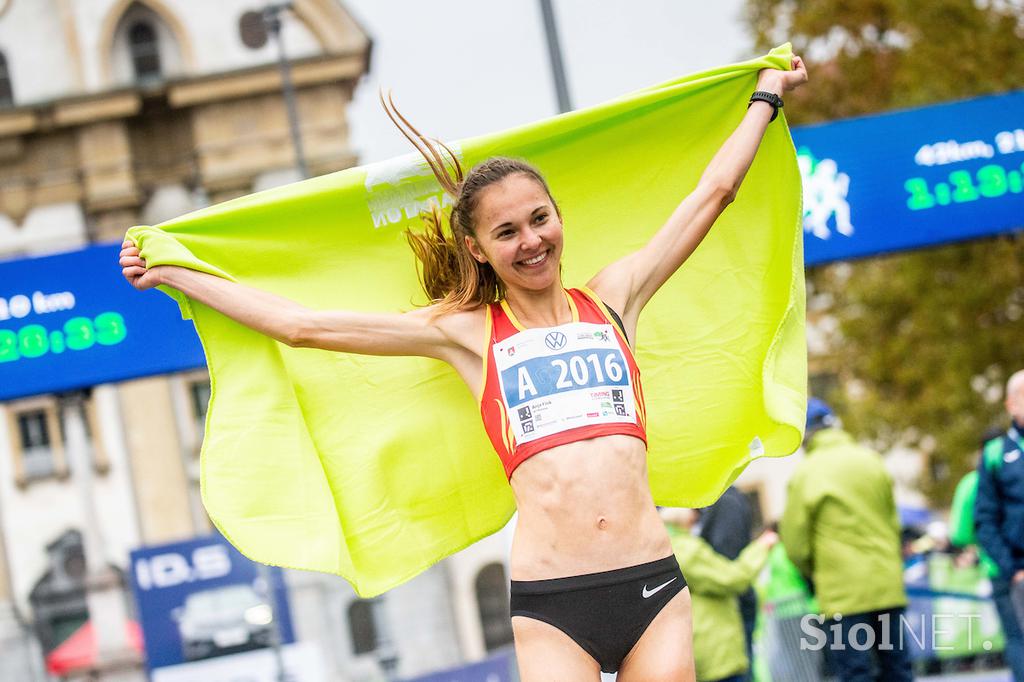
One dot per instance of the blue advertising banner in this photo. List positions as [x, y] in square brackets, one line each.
[70, 321]
[201, 599]
[912, 178]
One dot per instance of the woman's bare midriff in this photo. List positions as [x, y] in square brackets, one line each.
[585, 507]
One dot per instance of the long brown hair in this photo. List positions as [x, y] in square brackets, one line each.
[449, 274]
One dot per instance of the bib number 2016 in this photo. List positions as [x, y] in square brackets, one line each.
[574, 371]
[580, 371]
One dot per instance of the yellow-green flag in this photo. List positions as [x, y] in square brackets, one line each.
[374, 468]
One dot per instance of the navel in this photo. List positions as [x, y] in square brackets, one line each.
[602, 523]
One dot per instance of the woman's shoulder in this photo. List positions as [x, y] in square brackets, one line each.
[465, 326]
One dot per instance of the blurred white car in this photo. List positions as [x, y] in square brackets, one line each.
[222, 620]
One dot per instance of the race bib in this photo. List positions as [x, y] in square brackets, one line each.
[553, 379]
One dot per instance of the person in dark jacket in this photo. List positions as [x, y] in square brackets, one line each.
[727, 526]
[999, 520]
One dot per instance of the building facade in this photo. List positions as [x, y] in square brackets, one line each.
[121, 112]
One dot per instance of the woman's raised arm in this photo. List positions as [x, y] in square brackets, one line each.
[412, 333]
[629, 283]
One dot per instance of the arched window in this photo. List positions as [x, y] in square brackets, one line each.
[361, 626]
[6, 93]
[141, 46]
[492, 600]
[145, 51]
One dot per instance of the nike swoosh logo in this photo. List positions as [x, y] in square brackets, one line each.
[650, 593]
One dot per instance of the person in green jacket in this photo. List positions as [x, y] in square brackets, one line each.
[961, 519]
[719, 643]
[841, 530]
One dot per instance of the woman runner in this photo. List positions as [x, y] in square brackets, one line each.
[595, 585]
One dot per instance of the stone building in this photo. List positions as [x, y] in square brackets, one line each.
[119, 112]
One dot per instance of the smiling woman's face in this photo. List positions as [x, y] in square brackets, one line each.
[519, 232]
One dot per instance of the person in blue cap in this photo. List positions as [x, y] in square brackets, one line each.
[819, 416]
[841, 530]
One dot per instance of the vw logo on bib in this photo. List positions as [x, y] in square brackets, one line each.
[555, 340]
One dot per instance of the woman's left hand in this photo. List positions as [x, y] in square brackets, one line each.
[779, 82]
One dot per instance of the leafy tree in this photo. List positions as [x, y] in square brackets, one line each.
[925, 340]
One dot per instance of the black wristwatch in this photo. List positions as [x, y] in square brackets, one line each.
[771, 98]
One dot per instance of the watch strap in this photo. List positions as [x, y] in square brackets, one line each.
[769, 97]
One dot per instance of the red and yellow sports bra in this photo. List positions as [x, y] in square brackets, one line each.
[550, 386]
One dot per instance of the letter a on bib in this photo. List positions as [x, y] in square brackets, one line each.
[525, 383]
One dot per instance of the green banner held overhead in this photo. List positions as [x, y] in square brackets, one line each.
[376, 467]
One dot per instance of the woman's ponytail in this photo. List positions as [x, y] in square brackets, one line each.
[450, 276]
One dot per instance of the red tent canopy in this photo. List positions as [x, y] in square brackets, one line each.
[79, 650]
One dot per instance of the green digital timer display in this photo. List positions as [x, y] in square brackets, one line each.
[988, 182]
[77, 334]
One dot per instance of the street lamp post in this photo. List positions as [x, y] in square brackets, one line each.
[104, 594]
[269, 594]
[272, 21]
[387, 652]
[555, 55]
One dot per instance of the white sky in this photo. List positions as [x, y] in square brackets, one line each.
[464, 67]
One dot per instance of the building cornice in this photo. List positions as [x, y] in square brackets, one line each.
[93, 109]
[265, 79]
[182, 92]
[17, 121]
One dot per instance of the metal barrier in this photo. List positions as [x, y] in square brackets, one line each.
[20, 656]
[950, 625]
[778, 650]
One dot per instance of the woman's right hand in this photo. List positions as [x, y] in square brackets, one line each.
[134, 268]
